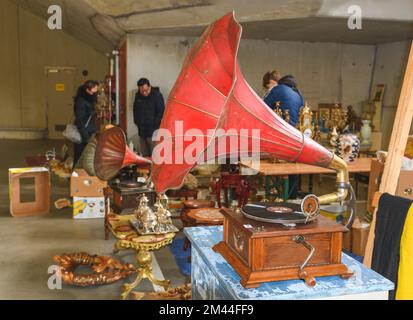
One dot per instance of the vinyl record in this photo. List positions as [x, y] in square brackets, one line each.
[278, 213]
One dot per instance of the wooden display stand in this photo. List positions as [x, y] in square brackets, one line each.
[397, 147]
[276, 253]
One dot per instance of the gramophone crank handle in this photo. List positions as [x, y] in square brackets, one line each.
[309, 280]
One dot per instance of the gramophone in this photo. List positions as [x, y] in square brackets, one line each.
[116, 163]
[262, 242]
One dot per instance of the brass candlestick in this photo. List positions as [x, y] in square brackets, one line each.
[287, 116]
[278, 110]
[336, 123]
[338, 119]
[306, 125]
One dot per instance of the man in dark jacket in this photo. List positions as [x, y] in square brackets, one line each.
[148, 111]
[85, 115]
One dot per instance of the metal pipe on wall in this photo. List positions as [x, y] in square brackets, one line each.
[117, 75]
[110, 84]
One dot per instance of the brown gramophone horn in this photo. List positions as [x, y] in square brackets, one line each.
[112, 154]
[88, 158]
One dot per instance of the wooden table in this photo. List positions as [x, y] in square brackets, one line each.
[361, 165]
[268, 169]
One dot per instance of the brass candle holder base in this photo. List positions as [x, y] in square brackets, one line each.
[144, 259]
[144, 246]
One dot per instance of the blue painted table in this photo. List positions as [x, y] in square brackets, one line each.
[214, 279]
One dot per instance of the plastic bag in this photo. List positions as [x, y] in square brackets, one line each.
[72, 134]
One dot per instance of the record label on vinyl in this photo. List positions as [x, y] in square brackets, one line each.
[280, 210]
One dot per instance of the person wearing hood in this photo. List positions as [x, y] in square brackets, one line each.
[148, 111]
[85, 115]
[287, 94]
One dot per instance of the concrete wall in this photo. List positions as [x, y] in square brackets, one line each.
[28, 47]
[391, 61]
[326, 72]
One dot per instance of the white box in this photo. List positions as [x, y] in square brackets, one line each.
[88, 208]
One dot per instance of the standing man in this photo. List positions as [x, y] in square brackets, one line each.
[148, 111]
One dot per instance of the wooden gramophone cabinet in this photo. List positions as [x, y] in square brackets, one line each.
[263, 252]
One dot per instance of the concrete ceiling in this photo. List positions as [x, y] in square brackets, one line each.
[103, 23]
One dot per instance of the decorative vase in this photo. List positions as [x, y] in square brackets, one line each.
[366, 132]
[348, 147]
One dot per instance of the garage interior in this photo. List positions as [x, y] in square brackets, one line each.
[43, 68]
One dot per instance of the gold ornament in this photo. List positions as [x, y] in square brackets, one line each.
[106, 270]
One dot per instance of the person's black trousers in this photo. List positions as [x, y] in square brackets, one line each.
[79, 148]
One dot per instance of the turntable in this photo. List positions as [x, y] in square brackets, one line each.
[127, 190]
[276, 242]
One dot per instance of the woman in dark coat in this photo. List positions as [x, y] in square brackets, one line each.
[85, 115]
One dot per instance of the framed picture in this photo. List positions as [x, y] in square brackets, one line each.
[379, 95]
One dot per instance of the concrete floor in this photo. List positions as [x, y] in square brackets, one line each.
[28, 244]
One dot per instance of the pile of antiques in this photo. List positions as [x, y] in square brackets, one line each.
[341, 126]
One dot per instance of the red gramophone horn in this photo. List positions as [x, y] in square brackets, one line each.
[211, 94]
[112, 154]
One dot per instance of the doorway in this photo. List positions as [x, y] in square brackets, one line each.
[60, 93]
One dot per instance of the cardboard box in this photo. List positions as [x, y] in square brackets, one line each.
[360, 235]
[29, 191]
[83, 185]
[88, 208]
[405, 185]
